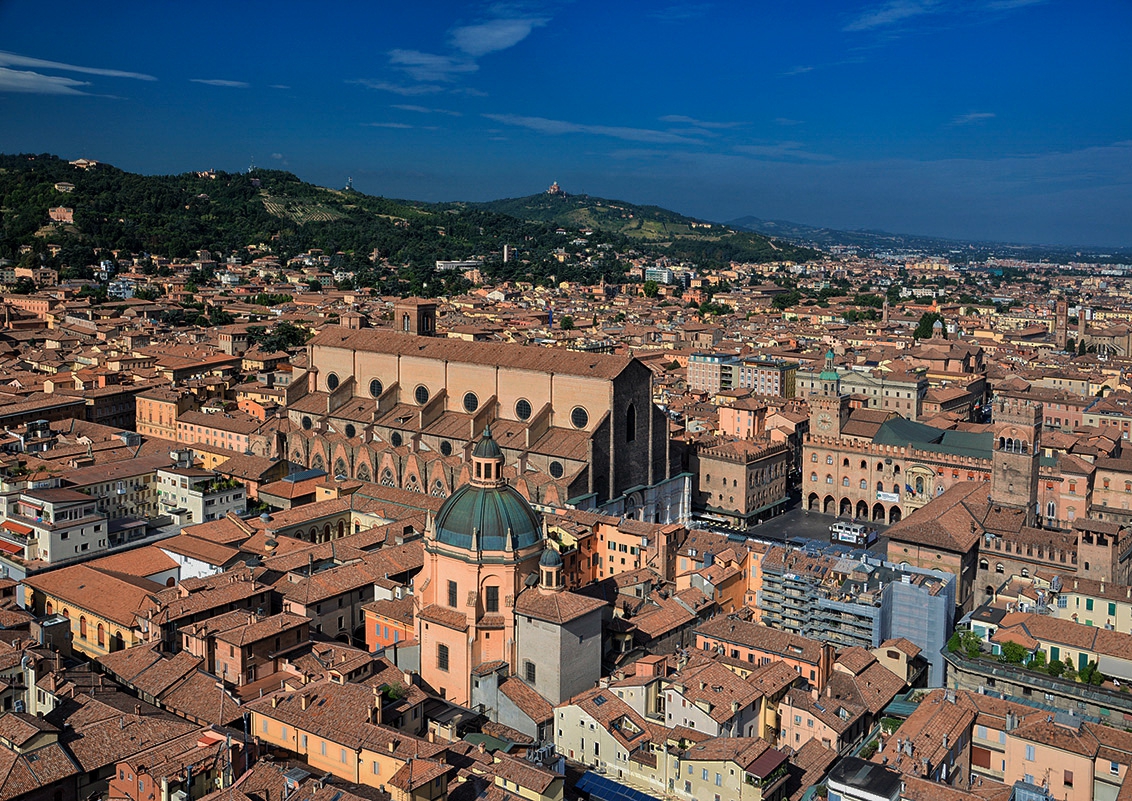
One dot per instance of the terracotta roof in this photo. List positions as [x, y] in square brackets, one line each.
[557, 360]
[554, 607]
[114, 596]
[533, 705]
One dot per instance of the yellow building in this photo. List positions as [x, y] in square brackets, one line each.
[336, 729]
[101, 607]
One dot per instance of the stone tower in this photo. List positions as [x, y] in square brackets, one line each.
[415, 316]
[1061, 323]
[829, 407]
[1017, 448]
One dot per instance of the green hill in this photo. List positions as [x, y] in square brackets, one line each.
[680, 236]
[176, 215]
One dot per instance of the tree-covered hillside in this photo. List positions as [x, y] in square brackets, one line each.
[176, 215]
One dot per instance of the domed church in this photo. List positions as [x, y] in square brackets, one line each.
[491, 592]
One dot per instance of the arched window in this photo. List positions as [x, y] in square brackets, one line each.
[984, 564]
[631, 423]
[880, 486]
[998, 568]
[845, 481]
[864, 465]
[1025, 573]
[341, 528]
[339, 467]
[829, 459]
[363, 472]
[813, 457]
[864, 484]
[387, 478]
[845, 462]
[896, 470]
[82, 627]
[828, 478]
[813, 476]
[50, 609]
[880, 466]
[101, 636]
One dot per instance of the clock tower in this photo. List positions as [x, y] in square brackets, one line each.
[829, 407]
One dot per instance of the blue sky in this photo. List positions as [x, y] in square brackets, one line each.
[993, 119]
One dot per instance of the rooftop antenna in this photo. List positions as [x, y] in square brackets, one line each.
[349, 183]
[251, 167]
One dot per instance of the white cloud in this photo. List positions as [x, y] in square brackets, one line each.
[430, 67]
[220, 82]
[681, 11]
[973, 117]
[892, 13]
[555, 127]
[399, 89]
[15, 60]
[426, 110]
[698, 123]
[278, 86]
[497, 34]
[34, 83]
[785, 151]
[798, 70]
[786, 121]
[398, 125]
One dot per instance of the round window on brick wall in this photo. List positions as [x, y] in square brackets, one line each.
[579, 417]
[306, 421]
[351, 432]
[396, 439]
[446, 448]
[471, 402]
[556, 469]
[331, 381]
[375, 388]
[523, 409]
[421, 394]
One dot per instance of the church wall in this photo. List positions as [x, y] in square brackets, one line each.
[581, 642]
[567, 657]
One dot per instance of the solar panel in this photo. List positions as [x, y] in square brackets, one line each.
[602, 788]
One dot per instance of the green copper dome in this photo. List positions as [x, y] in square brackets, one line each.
[487, 448]
[500, 517]
[487, 514]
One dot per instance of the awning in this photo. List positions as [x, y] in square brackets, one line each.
[12, 548]
[16, 528]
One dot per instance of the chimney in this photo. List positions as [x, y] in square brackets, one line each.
[137, 710]
[274, 701]
[305, 700]
[482, 747]
[377, 702]
[945, 741]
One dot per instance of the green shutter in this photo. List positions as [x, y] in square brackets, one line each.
[1088, 604]
[1112, 609]
[1082, 661]
[1054, 653]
